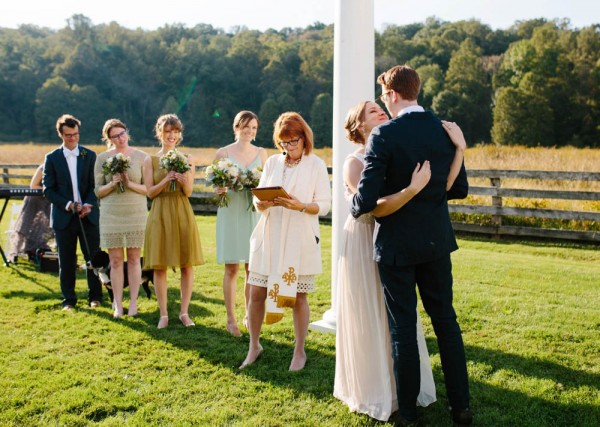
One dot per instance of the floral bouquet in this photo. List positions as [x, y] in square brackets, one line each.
[223, 173]
[250, 179]
[118, 163]
[174, 161]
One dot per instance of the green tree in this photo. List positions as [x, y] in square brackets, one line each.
[321, 122]
[466, 98]
[522, 119]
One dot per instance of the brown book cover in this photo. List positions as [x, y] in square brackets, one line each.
[269, 193]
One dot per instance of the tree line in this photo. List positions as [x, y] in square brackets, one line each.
[536, 83]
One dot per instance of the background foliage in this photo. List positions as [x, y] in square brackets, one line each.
[536, 83]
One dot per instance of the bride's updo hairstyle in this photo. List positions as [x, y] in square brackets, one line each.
[354, 121]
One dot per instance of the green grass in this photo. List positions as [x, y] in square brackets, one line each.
[530, 313]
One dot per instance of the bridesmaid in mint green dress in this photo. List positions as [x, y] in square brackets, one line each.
[235, 222]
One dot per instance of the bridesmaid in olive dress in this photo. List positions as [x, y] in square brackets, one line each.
[122, 214]
[172, 238]
[236, 222]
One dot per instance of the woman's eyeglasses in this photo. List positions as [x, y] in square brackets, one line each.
[292, 142]
[118, 136]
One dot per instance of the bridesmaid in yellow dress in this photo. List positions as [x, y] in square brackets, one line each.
[122, 214]
[172, 238]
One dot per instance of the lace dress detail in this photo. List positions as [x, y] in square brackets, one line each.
[305, 284]
[122, 215]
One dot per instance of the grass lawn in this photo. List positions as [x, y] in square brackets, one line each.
[530, 313]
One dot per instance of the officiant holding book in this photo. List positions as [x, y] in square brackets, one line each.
[285, 249]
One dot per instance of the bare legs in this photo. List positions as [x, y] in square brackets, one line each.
[160, 284]
[116, 280]
[187, 282]
[301, 319]
[256, 315]
[134, 276]
[229, 290]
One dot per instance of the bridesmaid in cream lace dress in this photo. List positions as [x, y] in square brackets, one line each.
[122, 214]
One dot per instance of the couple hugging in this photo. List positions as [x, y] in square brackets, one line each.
[404, 175]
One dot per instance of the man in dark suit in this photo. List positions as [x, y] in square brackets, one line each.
[69, 185]
[413, 245]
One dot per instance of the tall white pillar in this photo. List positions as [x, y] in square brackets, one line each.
[353, 81]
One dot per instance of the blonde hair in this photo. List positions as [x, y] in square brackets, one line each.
[108, 126]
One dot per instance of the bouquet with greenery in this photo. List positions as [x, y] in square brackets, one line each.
[223, 173]
[118, 163]
[250, 179]
[174, 161]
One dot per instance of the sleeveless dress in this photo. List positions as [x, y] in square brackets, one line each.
[235, 223]
[364, 377]
[122, 215]
[172, 238]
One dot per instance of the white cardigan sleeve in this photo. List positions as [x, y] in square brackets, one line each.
[322, 194]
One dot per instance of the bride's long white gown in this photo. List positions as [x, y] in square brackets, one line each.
[364, 378]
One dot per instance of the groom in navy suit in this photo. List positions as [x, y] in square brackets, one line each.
[413, 245]
[69, 185]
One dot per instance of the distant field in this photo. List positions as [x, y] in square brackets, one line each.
[478, 157]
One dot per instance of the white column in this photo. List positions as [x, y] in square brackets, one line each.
[353, 81]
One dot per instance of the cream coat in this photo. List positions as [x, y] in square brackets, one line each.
[293, 238]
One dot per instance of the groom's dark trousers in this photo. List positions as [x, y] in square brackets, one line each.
[412, 249]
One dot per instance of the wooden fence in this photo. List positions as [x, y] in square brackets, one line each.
[490, 200]
[499, 194]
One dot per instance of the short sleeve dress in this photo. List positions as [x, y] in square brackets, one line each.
[172, 238]
[122, 215]
[235, 224]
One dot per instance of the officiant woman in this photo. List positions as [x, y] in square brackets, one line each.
[285, 249]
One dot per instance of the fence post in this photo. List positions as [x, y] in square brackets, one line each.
[6, 179]
[496, 201]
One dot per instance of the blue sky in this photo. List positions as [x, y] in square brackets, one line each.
[264, 14]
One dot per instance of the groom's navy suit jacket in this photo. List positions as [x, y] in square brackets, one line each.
[59, 190]
[420, 231]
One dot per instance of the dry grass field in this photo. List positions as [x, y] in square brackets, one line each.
[478, 157]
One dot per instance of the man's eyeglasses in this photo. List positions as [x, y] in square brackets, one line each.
[292, 142]
[118, 136]
[70, 135]
[383, 95]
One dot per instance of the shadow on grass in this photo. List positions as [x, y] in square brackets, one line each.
[27, 271]
[493, 405]
[526, 366]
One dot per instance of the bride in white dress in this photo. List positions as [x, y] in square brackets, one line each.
[364, 378]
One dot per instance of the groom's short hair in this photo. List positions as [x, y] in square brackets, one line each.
[401, 79]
